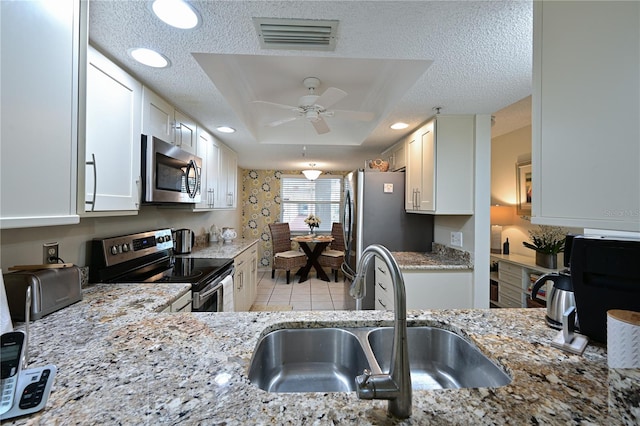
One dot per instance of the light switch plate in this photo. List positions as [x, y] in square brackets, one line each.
[388, 188]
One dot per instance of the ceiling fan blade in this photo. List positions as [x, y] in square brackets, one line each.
[330, 96]
[279, 122]
[321, 126]
[281, 106]
[353, 115]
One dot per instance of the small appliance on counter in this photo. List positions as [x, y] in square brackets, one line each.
[605, 276]
[53, 288]
[229, 234]
[183, 241]
[559, 297]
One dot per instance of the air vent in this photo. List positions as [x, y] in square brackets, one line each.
[298, 34]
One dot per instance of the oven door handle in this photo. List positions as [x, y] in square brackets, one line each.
[205, 294]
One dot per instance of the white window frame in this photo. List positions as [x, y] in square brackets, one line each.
[332, 214]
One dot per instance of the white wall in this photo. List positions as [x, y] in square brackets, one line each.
[24, 246]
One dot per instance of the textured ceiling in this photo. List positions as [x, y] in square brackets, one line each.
[398, 59]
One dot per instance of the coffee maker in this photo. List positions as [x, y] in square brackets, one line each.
[605, 274]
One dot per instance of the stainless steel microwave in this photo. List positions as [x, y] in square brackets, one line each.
[169, 173]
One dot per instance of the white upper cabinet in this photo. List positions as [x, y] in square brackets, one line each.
[586, 104]
[396, 156]
[39, 132]
[186, 132]
[162, 120]
[157, 116]
[209, 152]
[227, 179]
[440, 166]
[112, 143]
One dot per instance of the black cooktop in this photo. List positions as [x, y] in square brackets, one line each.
[196, 271]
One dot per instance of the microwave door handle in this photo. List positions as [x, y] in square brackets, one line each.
[192, 193]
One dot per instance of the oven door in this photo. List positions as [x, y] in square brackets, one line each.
[209, 299]
[169, 174]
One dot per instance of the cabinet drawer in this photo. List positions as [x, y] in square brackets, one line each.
[510, 278]
[510, 291]
[510, 268]
[508, 302]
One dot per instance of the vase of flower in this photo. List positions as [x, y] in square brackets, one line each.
[547, 260]
[547, 241]
[312, 221]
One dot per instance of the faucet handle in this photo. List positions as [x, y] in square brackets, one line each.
[364, 378]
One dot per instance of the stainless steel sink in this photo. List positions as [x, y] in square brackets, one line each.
[307, 360]
[439, 359]
[329, 359]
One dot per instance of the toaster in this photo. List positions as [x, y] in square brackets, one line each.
[51, 290]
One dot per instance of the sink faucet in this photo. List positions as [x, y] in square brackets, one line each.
[395, 386]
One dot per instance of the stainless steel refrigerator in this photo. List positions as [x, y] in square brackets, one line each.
[374, 214]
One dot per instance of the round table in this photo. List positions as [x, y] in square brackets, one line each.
[313, 246]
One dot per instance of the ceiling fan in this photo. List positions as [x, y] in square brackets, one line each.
[314, 107]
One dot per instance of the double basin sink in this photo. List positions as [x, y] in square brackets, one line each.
[329, 359]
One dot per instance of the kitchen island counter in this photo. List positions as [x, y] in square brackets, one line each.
[219, 250]
[120, 362]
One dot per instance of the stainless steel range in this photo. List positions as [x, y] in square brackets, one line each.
[147, 257]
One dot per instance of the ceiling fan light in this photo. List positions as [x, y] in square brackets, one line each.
[311, 174]
[177, 13]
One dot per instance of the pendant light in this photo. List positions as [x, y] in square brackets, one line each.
[312, 174]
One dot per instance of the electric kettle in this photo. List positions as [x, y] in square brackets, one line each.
[183, 241]
[559, 297]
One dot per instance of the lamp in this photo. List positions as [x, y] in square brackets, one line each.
[500, 216]
[312, 174]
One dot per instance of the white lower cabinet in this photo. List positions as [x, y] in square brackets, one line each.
[182, 304]
[516, 275]
[438, 289]
[245, 279]
[110, 175]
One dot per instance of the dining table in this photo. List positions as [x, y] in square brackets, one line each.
[313, 246]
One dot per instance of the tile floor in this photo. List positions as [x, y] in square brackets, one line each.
[313, 294]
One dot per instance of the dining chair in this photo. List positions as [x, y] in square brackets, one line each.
[333, 256]
[283, 256]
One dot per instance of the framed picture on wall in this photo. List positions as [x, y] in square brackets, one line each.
[523, 188]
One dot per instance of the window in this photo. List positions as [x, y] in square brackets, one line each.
[302, 197]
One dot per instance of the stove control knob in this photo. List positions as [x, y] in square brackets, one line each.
[114, 250]
[125, 247]
[161, 239]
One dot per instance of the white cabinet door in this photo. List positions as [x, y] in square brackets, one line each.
[227, 178]
[586, 104]
[157, 116]
[440, 168]
[421, 171]
[112, 142]
[39, 103]
[185, 132]
[438, 289]
[209, 154]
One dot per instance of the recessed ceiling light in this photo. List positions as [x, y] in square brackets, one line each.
[226, 129]
[399, 126]
[176, 13]
[149, 57]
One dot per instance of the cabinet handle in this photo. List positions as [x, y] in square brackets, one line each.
[383, 305]
[95, 181]
[230, 199]
[417, 199]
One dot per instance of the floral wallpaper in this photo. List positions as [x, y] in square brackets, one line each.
[260, 206]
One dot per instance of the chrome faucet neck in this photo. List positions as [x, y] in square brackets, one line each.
[395, 386]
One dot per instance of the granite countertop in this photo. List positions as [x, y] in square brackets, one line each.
[121, 362]
[440, 258]
[221, 249]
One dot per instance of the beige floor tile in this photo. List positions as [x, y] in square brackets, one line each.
[301, 306]
[300, 298]
[278, 301]
[322, 306]
[322, 298]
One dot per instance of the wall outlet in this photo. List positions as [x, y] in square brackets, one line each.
[50, 253]
[456, 239]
